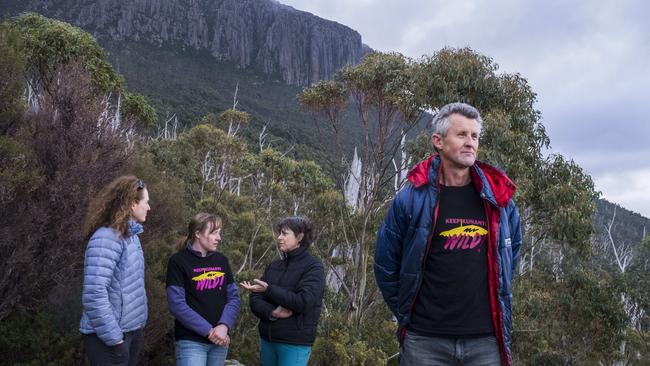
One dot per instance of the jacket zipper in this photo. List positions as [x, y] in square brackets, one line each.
[423, 261]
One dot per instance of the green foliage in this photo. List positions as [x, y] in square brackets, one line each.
[382, 78]
[637, 288]
[452, 75]
[324, 96]
[139, 108]
[628, 226]
[372, 343]
[327, 98]
[35, 338]
[337, 348]
[245, 336]
[638, 276]
[209, 119]
[190, 156]
[49, 43]
[564, 203]
[420, 147]
[577, 320]
[12, 84]
[231, 118]
[637, 350]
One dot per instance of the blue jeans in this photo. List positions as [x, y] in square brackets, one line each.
[440, 351]
[192, 353]
[283, 354]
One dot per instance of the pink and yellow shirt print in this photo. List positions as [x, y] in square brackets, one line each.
[465, 237]
[210, 277]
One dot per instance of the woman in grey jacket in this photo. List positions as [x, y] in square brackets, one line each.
[113, 297]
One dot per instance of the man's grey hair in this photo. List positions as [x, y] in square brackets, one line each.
[440, 122]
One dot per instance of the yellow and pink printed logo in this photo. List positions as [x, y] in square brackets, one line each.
[464, 237]
[209, 279]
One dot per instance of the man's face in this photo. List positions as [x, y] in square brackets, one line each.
[460, 146]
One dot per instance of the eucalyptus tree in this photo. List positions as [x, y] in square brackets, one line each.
[46, 44]
[381, 90]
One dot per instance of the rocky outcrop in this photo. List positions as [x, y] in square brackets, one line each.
[262, 34]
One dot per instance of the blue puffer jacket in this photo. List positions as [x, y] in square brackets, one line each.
[404, 237]
[114, 298]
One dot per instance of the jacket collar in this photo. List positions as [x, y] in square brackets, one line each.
[295, 253]
[492, 183]
[135, 228]
[419, 174]
[189, 248]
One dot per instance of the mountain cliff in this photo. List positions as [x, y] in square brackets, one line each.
[260, 34]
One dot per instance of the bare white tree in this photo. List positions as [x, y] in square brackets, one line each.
[401, 168]
[263, 144]
[623, 255]
[33, 98]
[169, 128]
[353, 182]
[208, 172]
[118, 115]
[232, 129]
[622, 251]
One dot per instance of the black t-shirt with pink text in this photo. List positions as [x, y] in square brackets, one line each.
[453, 299]
[205, 281]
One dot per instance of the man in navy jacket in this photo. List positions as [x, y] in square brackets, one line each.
[447, 251]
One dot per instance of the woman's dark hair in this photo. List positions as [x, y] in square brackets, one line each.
[112, 205]
[199, 222]
[299, 225]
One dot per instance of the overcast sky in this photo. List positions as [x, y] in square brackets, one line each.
[587, 60]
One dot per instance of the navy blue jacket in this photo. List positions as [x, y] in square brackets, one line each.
[405, 236]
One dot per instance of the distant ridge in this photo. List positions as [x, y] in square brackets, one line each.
[261, 34]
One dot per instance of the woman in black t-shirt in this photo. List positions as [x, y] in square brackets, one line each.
[202, 295]
[289, 297]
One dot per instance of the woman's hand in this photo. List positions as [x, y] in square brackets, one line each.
[257, 286]
[281, 313]
[219, 335]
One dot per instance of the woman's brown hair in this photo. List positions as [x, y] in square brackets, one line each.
[299, 225]
[199, 222]
[112, 205]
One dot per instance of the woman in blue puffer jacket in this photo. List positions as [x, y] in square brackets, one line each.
[114, 298]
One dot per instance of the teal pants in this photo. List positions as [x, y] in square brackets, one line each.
[283, 354]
